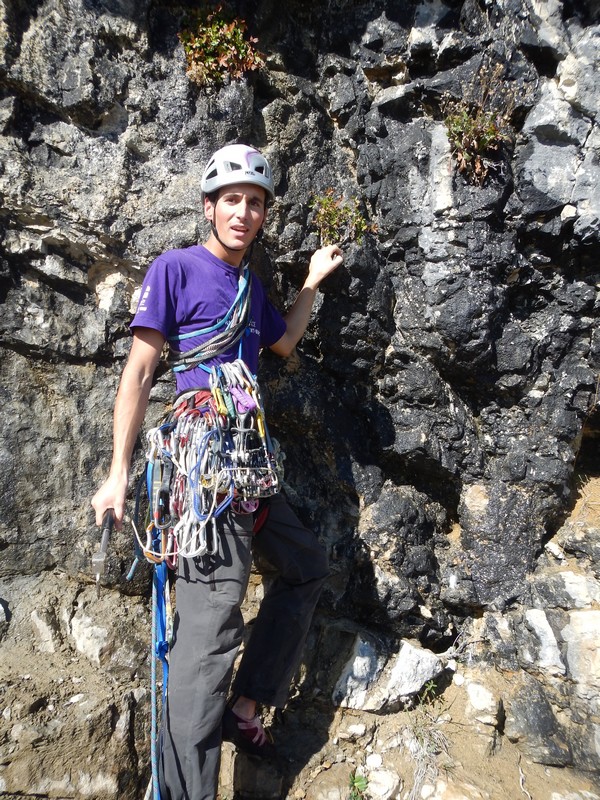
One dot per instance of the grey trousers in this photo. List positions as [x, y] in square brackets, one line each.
[208, 630]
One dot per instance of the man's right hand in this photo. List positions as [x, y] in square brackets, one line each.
[111, 494]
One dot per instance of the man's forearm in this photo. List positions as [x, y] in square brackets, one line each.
[298, 316]
[130, 408]
[322, 263]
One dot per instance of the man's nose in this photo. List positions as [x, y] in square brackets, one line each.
[242, 208]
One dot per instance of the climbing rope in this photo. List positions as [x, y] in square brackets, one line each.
[227, 332]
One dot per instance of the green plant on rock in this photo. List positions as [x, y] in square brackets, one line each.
[338, 221]
[217, 46]
[479, 123]
[427, 695]
[358, 786]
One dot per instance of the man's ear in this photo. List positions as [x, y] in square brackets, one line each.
[209, 209]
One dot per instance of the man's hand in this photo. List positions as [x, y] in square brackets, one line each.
[322, 263]
[111, 495]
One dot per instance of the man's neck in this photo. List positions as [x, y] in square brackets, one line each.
[232, 257]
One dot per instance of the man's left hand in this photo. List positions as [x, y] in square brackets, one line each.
[322, 263]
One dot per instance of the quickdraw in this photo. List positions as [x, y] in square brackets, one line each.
[212, 451]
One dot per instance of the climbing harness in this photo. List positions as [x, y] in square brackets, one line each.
[212, 451]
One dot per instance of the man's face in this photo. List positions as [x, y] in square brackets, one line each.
[238, 214]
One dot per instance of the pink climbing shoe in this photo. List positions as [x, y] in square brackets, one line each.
[248, 735]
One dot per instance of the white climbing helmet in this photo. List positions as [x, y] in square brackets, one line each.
[237, 163]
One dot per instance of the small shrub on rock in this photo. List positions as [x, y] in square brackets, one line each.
[479, 123]
[217, 46]
[338, 221]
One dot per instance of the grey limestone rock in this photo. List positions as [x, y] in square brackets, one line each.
[437, 411]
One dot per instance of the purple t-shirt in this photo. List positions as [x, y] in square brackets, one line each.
[191, 289]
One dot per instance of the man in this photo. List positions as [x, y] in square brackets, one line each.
[186, 295]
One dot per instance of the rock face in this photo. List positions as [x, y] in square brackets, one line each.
[437, 415]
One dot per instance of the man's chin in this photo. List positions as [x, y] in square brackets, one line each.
[239, 242]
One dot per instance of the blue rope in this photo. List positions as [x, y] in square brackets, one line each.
[159, 644]
[162, 644]
[242, 286]
[153, 721]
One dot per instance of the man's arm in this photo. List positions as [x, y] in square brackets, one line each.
[130, 408]
[323, 262]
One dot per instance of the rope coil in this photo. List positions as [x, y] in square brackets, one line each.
[227, 332]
